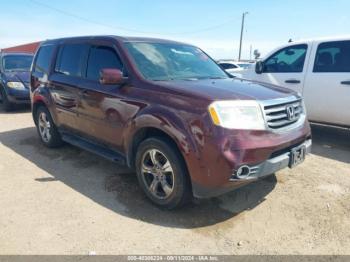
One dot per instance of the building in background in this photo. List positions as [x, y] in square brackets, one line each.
[26, 48]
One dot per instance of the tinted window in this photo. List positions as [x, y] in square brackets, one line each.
[17, 62]
[333, 57]
[227, 66]
[70, 59]
[43, 59]
[100, 58]
[288, 60]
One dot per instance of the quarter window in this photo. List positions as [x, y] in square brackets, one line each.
[333, 57]
[42, 63]
[70, 59]
[99, 58]
[288, 60]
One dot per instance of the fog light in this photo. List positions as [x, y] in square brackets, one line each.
[243, 172]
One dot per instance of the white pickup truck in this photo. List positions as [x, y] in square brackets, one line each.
[318, 69]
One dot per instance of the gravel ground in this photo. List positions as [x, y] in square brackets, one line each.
[68, 201]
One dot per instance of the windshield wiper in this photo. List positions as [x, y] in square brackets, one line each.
[159, 80]
[212, 77]
[188, 79]
[191, 78]
[218, 77]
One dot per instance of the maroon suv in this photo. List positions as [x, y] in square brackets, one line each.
[169, 111]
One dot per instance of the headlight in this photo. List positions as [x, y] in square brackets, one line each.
[304, 107]
[237, 114]
[15, 85]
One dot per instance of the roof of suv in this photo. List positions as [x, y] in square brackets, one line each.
[114, 37]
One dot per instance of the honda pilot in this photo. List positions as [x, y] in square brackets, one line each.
[167, 110]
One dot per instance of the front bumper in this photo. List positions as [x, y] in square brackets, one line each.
[266, 168]
[19, 96]
[272, 165]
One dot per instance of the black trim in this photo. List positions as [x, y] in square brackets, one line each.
[345, 82]
[93, 147]
[292, 81]
[288, 149]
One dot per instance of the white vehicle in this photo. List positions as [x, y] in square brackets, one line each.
[318, 69]
[233, 67]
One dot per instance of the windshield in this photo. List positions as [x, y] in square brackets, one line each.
[17, 62]
[164, 61]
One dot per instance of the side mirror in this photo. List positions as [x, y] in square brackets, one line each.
[259, 67]
[110, 76]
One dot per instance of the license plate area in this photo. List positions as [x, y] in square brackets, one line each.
[297, 156]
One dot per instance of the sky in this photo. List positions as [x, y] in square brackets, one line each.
[212, 25]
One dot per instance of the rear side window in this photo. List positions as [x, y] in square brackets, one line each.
[101, 57]
[43, 59]
[333, 57]
[287, 60]
[71, 58]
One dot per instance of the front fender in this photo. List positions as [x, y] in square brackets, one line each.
[165, 120]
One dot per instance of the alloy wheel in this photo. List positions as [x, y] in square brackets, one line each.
[44, 127]
[157, 174]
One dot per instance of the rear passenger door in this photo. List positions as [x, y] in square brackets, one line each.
[66, 82]
[286, 67]
[327, 86]
[101, 108]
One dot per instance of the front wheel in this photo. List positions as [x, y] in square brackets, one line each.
[162, 173]
[4, 102]
[47, 129]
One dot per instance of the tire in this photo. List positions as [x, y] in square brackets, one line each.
[162, 173]
[47, 129]
[4, 102]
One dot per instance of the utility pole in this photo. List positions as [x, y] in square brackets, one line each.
[240, 41]
[250, 52]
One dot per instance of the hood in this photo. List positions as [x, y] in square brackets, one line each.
[21, 76]
[228, 89]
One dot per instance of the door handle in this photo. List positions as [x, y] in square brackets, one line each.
[292, 81]
[345, 82]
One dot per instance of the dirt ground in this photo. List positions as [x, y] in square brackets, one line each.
[68, 201]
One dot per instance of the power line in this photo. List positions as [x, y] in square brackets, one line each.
[58, 10]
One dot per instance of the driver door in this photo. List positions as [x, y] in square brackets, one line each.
[286, 67]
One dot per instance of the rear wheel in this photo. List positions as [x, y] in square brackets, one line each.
[47, 129]
[5, 104]
[162, 173]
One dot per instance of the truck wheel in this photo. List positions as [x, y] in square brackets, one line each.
[47, 129]
[162, 173]
[4, 102]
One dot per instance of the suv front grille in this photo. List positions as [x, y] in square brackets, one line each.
[282, 115]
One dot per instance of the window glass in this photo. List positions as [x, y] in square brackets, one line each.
[288, 60]
[227, 66]
[168, 61]
[17, 62]
[43, 59]
[100, 58]
[71, 59]
[333, 57]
